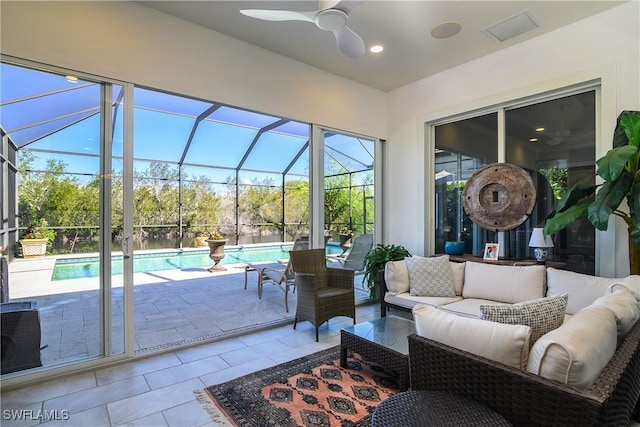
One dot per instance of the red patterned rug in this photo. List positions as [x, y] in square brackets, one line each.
[311, 391]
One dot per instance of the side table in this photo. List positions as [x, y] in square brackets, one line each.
[421, 408]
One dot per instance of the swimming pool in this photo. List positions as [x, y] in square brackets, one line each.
[75, 268]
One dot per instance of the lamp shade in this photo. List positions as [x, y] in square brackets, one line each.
[538, 239]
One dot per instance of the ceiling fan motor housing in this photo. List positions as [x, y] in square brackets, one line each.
[331, 19]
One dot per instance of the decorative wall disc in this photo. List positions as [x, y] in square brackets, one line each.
[499, 196]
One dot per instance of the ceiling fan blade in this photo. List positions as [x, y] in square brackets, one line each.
[279, 15]
[349, 43]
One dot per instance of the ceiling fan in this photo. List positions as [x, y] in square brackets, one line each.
[332, 15]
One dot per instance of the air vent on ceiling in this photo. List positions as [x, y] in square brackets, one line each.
[509, 28]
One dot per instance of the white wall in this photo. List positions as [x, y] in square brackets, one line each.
[133, 43]
[606, 47]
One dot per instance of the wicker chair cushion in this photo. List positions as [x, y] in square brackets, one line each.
[542, 315]
[576, 352]
[503, 283]
[583, 289]
[430, 277]
[396, 276]
[625, 307]
[508, 344]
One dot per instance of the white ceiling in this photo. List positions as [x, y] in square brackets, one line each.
[403, 27]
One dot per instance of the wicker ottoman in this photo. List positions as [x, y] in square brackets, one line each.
[426, 408]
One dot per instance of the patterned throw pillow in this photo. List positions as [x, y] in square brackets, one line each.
[542, 315]
[430, 277]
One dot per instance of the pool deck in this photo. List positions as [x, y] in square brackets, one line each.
[172, 308]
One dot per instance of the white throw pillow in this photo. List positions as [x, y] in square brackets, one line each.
[503, 283]
[457, 269]
[430, 277]
[396, 276]
[508, 344]
[583, 289]
[625, 307]
[542, 315]
[576, 352]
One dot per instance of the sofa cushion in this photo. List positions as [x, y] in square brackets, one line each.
[583, 289]
[396, 276]
[542, 315]
[467, 307]
[430, 277]
[577, 351]
[408, 301]
[503, 283]
[508, 344]
[625, 307]
[612, 288]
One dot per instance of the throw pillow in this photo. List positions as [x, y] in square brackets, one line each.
[508, 344]
[430, 277]
[396, 277]
[542, 315]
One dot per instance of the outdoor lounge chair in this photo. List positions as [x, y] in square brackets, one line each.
[355, 258]
[282, 277]
[322, 292]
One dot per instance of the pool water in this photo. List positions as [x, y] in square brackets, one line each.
[75, 268]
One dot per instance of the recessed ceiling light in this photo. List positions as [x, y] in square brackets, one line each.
[533, 139]
[446, 29]
[376, 48]
[71, 79]
[540, 129]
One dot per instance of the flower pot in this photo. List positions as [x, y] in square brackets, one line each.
[201, 240]
[454, 247]
[216, 253]
[33, 248]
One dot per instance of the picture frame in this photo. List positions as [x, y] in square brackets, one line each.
[491, 251]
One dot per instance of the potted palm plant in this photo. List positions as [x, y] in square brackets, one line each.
[619, 169]
[375, 261]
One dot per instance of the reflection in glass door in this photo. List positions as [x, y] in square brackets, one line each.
[349, 185]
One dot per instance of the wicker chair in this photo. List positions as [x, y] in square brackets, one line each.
[323, 292]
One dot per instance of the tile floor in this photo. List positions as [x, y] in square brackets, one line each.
[158, 390]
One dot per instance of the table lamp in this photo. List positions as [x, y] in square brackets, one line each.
[540, 243]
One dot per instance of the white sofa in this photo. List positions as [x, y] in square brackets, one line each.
[561, 325]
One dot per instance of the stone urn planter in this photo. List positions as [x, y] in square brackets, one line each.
[216, 253]
[33, 248]
[201, 240]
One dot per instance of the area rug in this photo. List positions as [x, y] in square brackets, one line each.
[311, 391]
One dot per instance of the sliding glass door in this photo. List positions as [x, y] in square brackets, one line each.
[553, 140]
[69, 133]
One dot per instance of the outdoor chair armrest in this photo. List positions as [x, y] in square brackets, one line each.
[340, 278]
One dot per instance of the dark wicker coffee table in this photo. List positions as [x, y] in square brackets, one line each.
[429, 408]
[383, 341]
